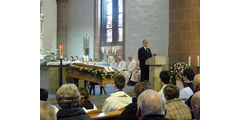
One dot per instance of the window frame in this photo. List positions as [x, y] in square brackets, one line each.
[115, 21]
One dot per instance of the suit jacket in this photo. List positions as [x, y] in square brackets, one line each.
[143, 55]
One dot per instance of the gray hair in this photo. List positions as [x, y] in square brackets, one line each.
[150, 102]
[47, 112]
[68, 96]
[144, 40]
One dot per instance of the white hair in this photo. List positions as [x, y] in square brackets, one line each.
[150, 102]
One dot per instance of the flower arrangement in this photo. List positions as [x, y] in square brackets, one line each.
[176, 71]
[99, 74]
[49, 56]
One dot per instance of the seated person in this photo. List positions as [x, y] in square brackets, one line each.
[119, 99]
[71, 59]
[175, 108]
[195, 105]
[85, 58]
[76, 58]
[47, 112]
[150, 106]
[165, 79]
[130, 110]
[65, 59]
[196, 88]
[67, 97]
[111, 61]
[130, 69]
[186, 92]
[121, 65]
[85, 103]
[44, 97]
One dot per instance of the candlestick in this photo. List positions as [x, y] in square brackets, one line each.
[189, 61]
[198, 61]
[61, 51]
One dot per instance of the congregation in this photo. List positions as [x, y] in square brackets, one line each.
[170, 103]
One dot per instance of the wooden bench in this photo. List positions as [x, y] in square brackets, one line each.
[99, 115]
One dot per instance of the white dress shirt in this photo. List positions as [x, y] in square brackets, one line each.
[163, 98]
[185, 93]
[116, 101]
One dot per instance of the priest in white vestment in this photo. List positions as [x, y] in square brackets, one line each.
[121, 65]
[130, 69]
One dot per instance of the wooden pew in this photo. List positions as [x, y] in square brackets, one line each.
[99, 115]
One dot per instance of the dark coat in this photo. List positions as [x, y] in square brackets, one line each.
[130, 111]
[143, 55]
[72, 114]
[154, 117]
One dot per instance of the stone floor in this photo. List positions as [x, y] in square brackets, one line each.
[97, 99]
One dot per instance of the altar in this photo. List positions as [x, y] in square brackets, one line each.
[99, 73]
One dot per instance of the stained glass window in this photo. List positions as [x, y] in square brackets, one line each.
[113, 13]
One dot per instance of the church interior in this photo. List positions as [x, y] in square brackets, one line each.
[90, 42]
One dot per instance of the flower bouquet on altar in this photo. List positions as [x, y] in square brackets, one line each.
[176, 71]
[98, 73]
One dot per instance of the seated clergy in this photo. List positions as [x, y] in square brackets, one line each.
[150, 106]
[130, 69]
[119, 99]
[76, 58]
[121, 65]
[111, 61]
[175, 108]
[85, 103]
[85, 58]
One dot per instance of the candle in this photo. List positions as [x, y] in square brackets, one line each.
[189, 61]
[61, 51]
[198, 61]
[115, 52]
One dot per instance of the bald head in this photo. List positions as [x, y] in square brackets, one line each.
[149, 102]
[120, 58]
[195, 104]
[196, 82]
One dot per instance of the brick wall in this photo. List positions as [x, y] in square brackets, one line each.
[184, 31]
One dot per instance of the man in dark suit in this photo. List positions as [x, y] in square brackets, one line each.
[143, 54]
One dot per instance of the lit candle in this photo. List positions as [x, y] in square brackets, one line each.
[198, 61]
[115, 52]
[61, 51]
[189, 61]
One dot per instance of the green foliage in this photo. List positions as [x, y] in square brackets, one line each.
[99, 74]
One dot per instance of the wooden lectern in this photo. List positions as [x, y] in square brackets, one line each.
[155, 67]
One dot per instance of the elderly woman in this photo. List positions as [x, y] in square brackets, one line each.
[68, 97]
